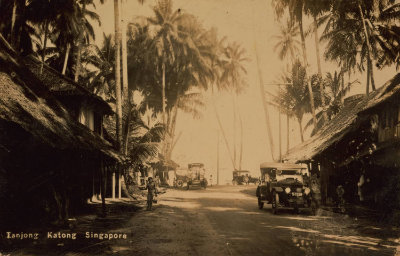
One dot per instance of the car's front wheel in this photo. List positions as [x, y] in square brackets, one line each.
[260, 204]
[275, 202]
[179, 183]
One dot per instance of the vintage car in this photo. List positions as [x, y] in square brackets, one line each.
[181, 178]
[240, 177]
[196, 176]
[285, 186]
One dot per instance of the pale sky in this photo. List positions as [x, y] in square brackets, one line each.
[234, 19]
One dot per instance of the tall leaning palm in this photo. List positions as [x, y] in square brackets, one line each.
[231, 79]
[216, 47]
[295, 9]
[316, 8]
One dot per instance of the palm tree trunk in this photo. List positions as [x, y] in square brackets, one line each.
[66, 58]
[163, 90]
[124, 55]
[321, 86]
[80, 43]
[369, 48]
[265, 105]
[301, 130]
[368, 78]
[280, 135]
[287, 133]
[234, 129]
[371, 72]
[13, 19]
[46, 24]
[118, 73]
[241, 141]
[125, 135]
[20, 20]
[222, 131]
[305, 63]
[172, 141]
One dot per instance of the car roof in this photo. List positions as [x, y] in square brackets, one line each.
[281, 165]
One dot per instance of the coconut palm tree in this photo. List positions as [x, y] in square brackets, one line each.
[100, 76]
[287, 44]
[165, 23]
[337, 90]
[351, 25]
[295, 9]
[293, 98]
[231, 79]
[315, 8]
[72, 27]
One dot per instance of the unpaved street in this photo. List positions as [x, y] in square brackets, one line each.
[226, 221]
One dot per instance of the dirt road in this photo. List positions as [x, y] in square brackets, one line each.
[226, 221]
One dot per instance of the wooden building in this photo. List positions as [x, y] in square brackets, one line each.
[359, 149]
[47, 158]
[84, 107]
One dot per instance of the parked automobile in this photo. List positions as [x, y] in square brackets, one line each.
[285, 186]
[181, 178]
[241, 176]
[196, 176]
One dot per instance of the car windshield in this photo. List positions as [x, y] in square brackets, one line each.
[289, 172]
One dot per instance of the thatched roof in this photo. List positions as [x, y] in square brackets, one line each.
[62, 85]
[347, 120]
[163, 163]
[27, 103]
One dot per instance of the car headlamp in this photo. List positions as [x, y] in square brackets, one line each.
[307, 191]
[287, 190]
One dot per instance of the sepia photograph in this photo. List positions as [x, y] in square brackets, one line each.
[200, 127]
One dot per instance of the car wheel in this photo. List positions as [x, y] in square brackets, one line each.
[275, 202]
[260, 204]
[180, 183]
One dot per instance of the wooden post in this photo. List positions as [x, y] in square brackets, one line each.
[120, 184]
[103, 176]
[113, 185]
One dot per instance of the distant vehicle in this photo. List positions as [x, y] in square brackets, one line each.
[181, 178]
[285, 186]
[196, 175]
[240, 177]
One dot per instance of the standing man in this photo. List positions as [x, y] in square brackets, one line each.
[151, 192]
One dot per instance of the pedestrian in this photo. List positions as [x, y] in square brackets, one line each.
[341, 201]
[151, 192]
